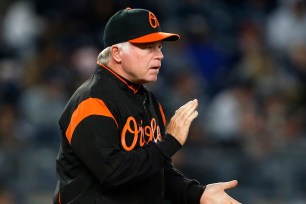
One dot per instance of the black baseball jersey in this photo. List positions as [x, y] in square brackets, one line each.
[114, 149]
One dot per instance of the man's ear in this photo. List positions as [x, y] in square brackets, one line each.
[115, 51]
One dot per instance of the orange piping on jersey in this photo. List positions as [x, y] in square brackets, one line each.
[162, 114]
[88, 107]
[120, 78]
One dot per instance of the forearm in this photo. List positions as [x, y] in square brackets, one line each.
[113, 166]
[180, 189]
[141, 163]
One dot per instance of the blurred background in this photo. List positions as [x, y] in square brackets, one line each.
[245, 60]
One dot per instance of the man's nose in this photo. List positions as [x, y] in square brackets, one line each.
[160, 54]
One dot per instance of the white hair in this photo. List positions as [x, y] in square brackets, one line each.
[105, 55]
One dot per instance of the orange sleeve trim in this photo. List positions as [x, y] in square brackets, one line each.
[162, 114]
[91, 106]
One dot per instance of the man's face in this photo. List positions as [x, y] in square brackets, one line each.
[141, 62]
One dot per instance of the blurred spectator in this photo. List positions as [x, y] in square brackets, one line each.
[287, 25]
[21, 26]
[297, 61]
[254, 64]
[209, 60]
[10, 77]
[83, 60]
[40, 108]
[226, 112]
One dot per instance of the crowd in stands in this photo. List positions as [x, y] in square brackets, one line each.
[244, 60]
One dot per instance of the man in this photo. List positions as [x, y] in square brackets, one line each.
[115, 147]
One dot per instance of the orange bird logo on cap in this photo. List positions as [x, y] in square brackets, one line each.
[153, 20]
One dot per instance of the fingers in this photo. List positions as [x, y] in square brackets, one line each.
[186, 110]
[229, 184]
[191, 104]
[190, 113]
[215, 193]
[180, 123]
[192, 116]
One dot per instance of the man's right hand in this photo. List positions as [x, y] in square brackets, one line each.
[180, 123]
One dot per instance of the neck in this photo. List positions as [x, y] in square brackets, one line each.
[133, 86]
[118, 69]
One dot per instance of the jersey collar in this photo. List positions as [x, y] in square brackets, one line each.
[132, 86]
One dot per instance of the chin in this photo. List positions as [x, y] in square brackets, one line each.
[149, 81]
[153, 79]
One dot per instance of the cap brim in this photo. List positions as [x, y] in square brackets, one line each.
[154, 37]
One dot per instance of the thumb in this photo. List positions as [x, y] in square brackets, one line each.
[229, 184]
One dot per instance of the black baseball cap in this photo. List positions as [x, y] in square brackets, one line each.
[135, 26]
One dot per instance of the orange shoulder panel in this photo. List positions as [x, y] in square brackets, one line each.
[88, 107]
